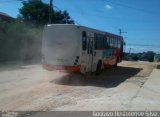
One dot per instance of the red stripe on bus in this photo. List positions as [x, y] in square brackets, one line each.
[66, 68]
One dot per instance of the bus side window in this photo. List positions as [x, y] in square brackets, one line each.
[108, 42]
[112, 42]
[99, 42]
[119, 44]
[95, 41]
[84, 40]
[105, 43]
[115, 42]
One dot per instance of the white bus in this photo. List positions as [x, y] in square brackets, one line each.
[79, 49]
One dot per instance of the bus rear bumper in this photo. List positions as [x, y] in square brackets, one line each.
[62, 68]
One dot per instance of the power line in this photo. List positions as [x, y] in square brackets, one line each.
[9, 1]
[70, 16]
[82, 13]
[131, 7]
[148, 45]
[121, 32]
[86, 16]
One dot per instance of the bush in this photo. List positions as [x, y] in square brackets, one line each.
[144, 56]
[19, 42]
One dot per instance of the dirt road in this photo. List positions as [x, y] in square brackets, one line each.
[29, 87]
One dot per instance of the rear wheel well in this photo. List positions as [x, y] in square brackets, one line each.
[100, 62]
[99, 65]
[118, 59]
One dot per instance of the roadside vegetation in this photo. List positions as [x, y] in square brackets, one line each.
[20, 40]
[143, 56]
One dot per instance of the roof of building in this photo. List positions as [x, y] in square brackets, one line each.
[157, 55]
[6, 17]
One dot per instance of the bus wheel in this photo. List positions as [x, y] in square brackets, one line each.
[115, 65]
[116, 62]
[98, 70]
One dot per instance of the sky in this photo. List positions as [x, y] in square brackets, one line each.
[140, 19]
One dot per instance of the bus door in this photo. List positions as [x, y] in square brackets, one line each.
[90, 51]
[87, 52]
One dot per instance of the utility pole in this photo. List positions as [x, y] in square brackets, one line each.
[50, 11]
[130, 51]
[120, 32]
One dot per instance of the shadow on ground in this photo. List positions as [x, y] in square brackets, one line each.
[109, 78]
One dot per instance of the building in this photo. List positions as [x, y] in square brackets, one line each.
[5, 17]
[157, 58]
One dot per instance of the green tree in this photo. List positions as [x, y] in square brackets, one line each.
[150, 56]
[36, 12]
[135, 57]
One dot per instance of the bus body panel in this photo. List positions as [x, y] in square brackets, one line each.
[91, 58]
[60, 46]
[73, 48]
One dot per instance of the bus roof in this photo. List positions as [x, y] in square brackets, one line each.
[106, 33]
[113, 35]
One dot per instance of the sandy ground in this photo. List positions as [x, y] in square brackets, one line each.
[30, 87]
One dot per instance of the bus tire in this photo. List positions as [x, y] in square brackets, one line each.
[115, 65]
[117, 60]
[99, 70]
